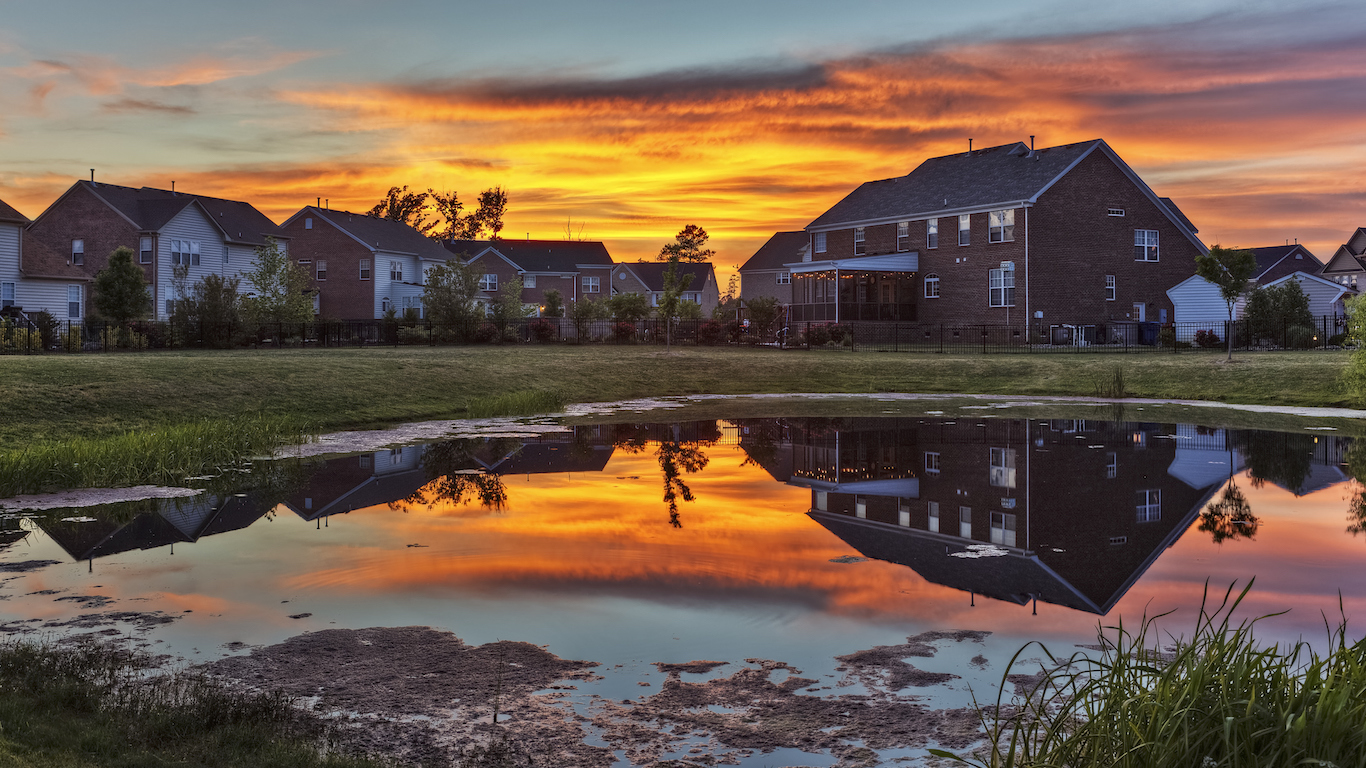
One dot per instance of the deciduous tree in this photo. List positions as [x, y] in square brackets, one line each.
[408, 207]
[629, 307]
[121, 294]
[554, 303]
[281, 292]
[448, 294]
[1230, 270]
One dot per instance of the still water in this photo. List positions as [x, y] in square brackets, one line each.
[797, 540]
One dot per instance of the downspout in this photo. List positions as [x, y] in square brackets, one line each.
[1029, 316]
[837, 294]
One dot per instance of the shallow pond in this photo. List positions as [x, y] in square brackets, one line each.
[855, 581]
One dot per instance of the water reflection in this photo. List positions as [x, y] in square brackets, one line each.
[1065, 512]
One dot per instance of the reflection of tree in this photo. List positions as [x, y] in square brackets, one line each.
[760, 442]
[1356, 467]
[675, 459]
[459, 476]
[1277, 457]
[1231, 517]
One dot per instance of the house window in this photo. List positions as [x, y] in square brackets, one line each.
[1001, 226]
[903, 236]
[317, 303]
[861, 506]
[932, 233]
[73, 302]
[931, 463]
[175, 253]
[144, 250]
[396, 272]
[488, 283]
[903, 513]
[77, 251]
[1114, 212]
[320, 271]
[1002, 529]
[784, 278]
[965, 229]
[859, 247]
[1109, 287]
[965, 522]
[1001, 288]
[529, 281]
[184, 253]
[365, 269]
[1111, 465]
[306, 265]
[6, 294]
[934, 517]
[592, 284]
[818, 242]
[1148, 506]
[931, 286]
[225, 254]
[695, 298]
[385, 304]
[365, 462]
[1145, 245]
[194, 252]
[308, 222]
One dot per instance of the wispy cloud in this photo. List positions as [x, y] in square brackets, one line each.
[146, 105]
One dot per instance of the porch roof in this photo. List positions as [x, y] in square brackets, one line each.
[891, 262]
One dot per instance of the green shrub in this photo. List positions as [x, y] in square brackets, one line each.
[521, 403]
[412, 335]
[1300, 337]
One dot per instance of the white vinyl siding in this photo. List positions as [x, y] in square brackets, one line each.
[1198, 301]
[388, 288]
[192, 235]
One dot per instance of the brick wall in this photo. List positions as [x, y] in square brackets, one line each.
[80, 215]
[343, 295]
[756, 284]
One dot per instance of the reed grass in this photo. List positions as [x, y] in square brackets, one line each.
[1217, 700]
[91, 704]
[164, 455]
[525, 402]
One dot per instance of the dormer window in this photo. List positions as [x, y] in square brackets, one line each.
[77, 251]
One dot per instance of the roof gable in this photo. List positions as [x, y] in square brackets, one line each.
[378, 234]
[7, 213]
[540, 256]
[651, 273]
[1303, 276]
[1343, 261]
[782, 248]
[1357, 242]
[149, 209]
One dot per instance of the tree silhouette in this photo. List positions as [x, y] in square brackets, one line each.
[1231, 517]
[459, 477]
[675, 459]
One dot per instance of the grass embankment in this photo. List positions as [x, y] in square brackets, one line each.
[1214, 700]
[89, 705]
[57, 398]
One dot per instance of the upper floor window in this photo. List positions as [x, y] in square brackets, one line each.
[1001, 226]
[1114, 212]
[396, 272]
[931, 463]
[365, 269]
[1109, 287]
[488, 283]
[931, 286]
[1145, 245]
[77, 251]
[1111, 465]
[529, 281]
[144, 250]
[932, 233]
[592, 284]
[859, 248]
[965, 229]
[818, 242]
[1148, 506]
[308, 222]
[903, 236]
[320, 271]
[1001, 288]
[784, 278]
[184, 253]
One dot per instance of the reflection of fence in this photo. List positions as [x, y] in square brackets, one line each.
[23, 336]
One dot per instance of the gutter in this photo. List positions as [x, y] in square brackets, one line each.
[919, 216]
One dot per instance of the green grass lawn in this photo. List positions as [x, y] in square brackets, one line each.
[56, 397]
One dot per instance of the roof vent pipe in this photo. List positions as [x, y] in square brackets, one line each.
[92, 175]
[320, 203]
[173, 186]
[969, 146]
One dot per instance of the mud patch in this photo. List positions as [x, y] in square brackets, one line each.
[883, 667]
[26, 566]
[691, 667]
[88, 601]
[89, 497]
[142, 621]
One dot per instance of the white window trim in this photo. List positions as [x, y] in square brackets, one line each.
[903, 236]
[12, 289]
[364, 270]
[931, 279]
[590, 284]
[931, 462]
[931, 231]
[145, 255]
[320, 270]
[1001, 226]
[784, 278]
[965, 218]
[488, 282]
[1148, 243]
[860, 241]
[396, 271]
[1006, 288]
[1110, 288]
[1114, 212]
[818, 242]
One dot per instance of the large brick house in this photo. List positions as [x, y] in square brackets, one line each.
[35, 278]
[575, 268]
[361, 266]
[998, 235]
[1348, 265]
[165, 228]
[767, 273]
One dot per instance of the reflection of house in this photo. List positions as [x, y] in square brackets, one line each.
[1068, 512]
[357, 482]
[168, 522]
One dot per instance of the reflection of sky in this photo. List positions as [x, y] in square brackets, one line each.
[634, 118]
[588, 564]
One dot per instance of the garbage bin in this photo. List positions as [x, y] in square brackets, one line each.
[1062, 335]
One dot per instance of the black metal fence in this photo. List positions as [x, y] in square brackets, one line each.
[25, 337]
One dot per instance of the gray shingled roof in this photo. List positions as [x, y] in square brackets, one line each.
[151, 209]
[980, 179]
[7, 213]
[382, 234]
[539, 255]
[782, 248]
[1269, 256]
[652, 273]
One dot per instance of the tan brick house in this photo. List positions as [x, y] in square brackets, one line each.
[999, 235]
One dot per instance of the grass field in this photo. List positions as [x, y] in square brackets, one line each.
[54, 398]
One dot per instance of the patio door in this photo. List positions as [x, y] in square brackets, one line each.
[1140, 313]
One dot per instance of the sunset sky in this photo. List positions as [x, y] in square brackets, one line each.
[634, 118]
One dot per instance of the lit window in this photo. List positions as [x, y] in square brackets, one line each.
[1001, 226]
[77, 251]
[1001, 288]
[1145, 245]
[903, 236]
[818, 242]
[1148, 506]
[1109, 287]
[859, 247]
[592, 284]
[965, 229]
[73, 302]
[144, 250]
[365, 269]
[932, 233]
[320, 271]
[396, 271]
[784, 278]
[931, 463]
[488, 283]
[931, 286]
[6, 294]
